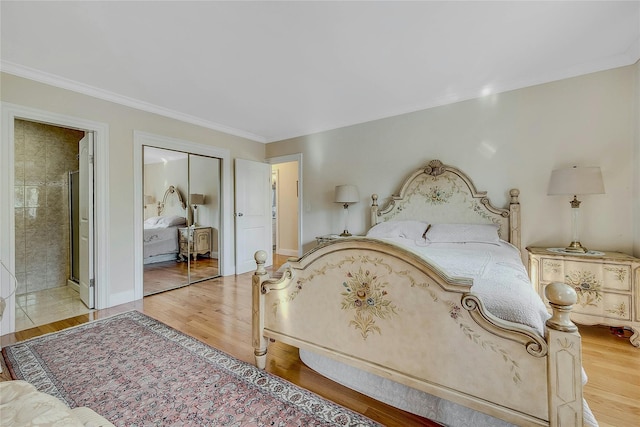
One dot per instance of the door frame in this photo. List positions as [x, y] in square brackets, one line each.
[11, 112]
[141, 139]
[294, 158]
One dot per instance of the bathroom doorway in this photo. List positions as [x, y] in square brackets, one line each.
[46, 160]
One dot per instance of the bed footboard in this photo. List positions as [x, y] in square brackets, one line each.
[385, 310]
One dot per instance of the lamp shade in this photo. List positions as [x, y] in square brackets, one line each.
[346, 194]
[149, 200]
[196, 199]
[575, 180]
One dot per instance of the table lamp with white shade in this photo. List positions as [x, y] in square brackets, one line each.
[575, 181]
[196, 199]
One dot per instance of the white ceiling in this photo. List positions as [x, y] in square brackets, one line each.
[275, 70]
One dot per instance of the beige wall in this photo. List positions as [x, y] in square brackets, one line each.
[122, 122]
[507, 140]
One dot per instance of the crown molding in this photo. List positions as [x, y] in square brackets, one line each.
[64, 83]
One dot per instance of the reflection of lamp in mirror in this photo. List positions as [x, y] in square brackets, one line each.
[195, 200]
[346, 194]
[574, 181]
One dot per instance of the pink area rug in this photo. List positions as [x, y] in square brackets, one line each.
[137, 371]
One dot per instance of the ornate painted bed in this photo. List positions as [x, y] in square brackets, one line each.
[417, 325]
[160, 242]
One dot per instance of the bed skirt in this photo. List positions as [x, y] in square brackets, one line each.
[407, 398]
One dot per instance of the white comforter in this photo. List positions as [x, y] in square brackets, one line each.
[499, 277]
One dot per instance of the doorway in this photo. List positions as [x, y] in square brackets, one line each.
[9, 114]
[46, 160]
[286, 174]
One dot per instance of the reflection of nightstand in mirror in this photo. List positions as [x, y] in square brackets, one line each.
[607, 284]
[329, 237]
[199, 244]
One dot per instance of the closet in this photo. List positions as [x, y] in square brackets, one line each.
[181, 210]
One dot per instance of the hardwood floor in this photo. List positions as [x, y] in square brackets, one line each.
[218, 312]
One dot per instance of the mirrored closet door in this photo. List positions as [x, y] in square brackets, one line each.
[181, 218]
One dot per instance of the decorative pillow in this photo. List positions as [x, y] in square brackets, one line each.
[172, 220]
[408, 229]
[152, 221]
[463, 233]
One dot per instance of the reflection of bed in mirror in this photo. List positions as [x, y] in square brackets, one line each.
[161, 231]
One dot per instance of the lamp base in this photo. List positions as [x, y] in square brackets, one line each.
[345, 233]
[576, 247]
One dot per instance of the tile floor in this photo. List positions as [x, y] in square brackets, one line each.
[46, 306]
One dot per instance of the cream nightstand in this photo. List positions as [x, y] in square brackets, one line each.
[607, 284]
[200, 244]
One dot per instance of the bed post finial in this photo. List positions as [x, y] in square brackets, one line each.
[261, 259]
[374, 200]
[514, 193]
[561, 297]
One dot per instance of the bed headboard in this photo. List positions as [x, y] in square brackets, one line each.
[172, 203]
[438, 193]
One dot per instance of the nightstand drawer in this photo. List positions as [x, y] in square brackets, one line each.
[578, 273]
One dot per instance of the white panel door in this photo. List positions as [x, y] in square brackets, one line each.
[86, 221]
[253, 213]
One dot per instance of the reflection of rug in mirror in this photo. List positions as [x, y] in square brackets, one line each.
[135, 370]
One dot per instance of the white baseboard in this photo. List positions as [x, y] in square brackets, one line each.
[73, 285]
[287, 252]
[121, 298]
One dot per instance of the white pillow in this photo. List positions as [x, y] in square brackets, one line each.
[153, 220]
[172, 220]
[408, 229]
[463, 233]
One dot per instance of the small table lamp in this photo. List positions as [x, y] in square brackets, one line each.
[346, 194]
[574, 181]
[195, 200]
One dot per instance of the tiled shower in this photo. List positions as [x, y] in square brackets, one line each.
[44, 156]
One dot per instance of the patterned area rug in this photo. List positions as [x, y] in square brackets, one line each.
[137, 371]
